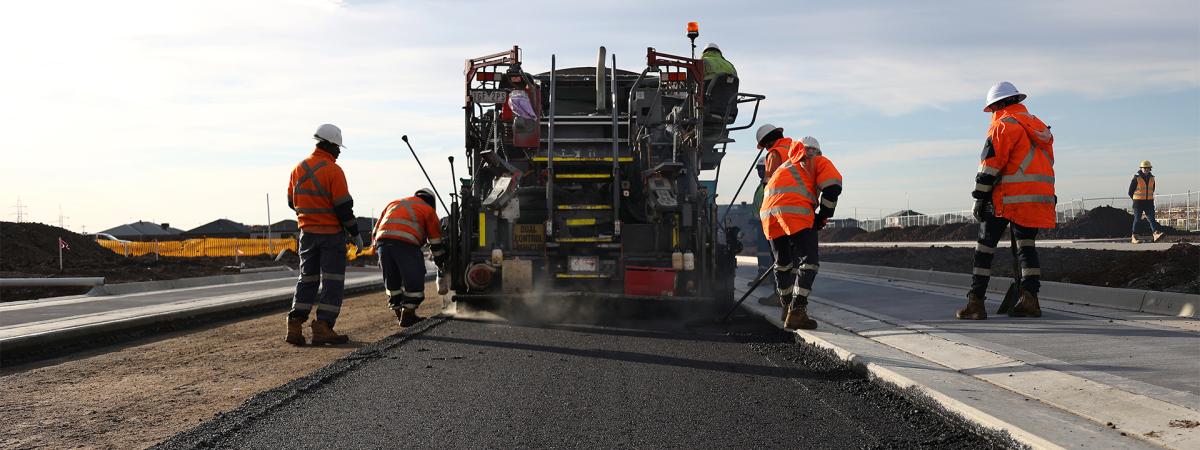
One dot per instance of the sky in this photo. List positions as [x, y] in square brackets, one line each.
[188, 111]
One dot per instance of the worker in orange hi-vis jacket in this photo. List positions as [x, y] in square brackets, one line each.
[407, 225]
[317, 191]
[790, 220]
[770, 138]
[1014, 185]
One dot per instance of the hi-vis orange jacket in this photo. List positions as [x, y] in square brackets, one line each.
[776, 155]
[318, 192]
[1016, 168]
[413, 221]
[1142, 187]
[791, 196]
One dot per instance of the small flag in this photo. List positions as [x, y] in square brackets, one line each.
[239, 251]
[62, 245]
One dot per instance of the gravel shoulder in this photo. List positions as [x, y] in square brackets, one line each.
[137, 394]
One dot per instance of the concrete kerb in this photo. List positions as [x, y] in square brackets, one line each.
[181, 283]
[1154, 302]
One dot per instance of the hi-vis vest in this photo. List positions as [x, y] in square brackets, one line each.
[792, 194]
[317, 186]
[1023, 159]
[1144, 189]
[409, 220]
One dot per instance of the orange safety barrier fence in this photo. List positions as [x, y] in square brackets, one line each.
[214, 247]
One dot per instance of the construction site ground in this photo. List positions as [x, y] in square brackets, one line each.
[136, 394]
[1176, 269]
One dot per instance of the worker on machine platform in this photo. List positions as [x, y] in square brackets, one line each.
[318, 193]
[403, 230]
[788, 220]
[1015, 184]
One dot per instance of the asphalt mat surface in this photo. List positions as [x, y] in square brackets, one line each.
[463, 383]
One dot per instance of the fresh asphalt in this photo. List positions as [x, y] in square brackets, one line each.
[451, 383]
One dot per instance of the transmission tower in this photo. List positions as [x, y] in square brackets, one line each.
[20, 207]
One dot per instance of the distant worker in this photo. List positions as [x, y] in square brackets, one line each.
[324, 209]
[762, 247]
[770, 138]
[1015, 184]
[790, 198]
[402, 231]
[1141, 190]
[715, 63]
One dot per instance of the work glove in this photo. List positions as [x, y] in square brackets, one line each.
[443, 283]
[440, 261]
[983, 210]
[820, 222]
[358, 243]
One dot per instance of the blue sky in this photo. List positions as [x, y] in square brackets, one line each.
[187, 111]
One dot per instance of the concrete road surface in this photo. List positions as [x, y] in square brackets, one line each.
[670, 383]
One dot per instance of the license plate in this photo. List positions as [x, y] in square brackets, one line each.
[489, 95]
[583, 263]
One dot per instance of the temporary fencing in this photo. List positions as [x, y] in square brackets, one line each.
[214, 247]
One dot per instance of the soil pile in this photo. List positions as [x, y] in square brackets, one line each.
[840, 234]
[1103, 222]
[24, 246]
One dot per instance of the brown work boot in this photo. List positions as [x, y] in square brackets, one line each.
[975, 310]
[322, 334]
[1134, 240]
[1158, 235]
[407, 317]
[295, 332]
[797, 317]
[1027, 306]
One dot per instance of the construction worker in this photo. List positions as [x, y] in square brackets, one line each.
[318, 193]
[762, 245]
[770, 138]
[715, 63]
[403, 230]
[1141, 190]
[790, 198]
[1014, 185]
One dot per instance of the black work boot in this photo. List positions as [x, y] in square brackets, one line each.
[1026, 307]
[407, 316]
[796, 317]
[975, 309]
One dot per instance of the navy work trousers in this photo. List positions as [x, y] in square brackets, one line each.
[323, 268]
[403, 273]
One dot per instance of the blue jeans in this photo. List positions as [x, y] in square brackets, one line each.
[403, 267]
[1147, 207]
[322, 265]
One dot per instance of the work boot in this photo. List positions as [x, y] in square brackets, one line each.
[1134, 240]
[797, 317]
[974, 309]
[1158, 235]
[1027, 306]
[323, 334]
[295, 332]
[407, 317]
[783, 306]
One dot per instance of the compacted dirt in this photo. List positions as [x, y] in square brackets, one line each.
[1174, 270]
[137, 394]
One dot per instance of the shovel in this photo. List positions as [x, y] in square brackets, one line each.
[1014, 291]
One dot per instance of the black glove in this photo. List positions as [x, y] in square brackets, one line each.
[983, 210]
[820, 222]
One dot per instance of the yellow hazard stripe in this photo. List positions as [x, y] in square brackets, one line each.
[584, 159]
[581, 222]
[580, 275]
[585, 239]
[482, 230]
[568, 207]
[583, 175]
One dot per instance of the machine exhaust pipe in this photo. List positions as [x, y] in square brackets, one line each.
[601, 95]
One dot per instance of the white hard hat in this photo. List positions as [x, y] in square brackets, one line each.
[810, 142]
[1000, 91]
[329, 132]
[425, 192]
[712, 46]
[763, 131]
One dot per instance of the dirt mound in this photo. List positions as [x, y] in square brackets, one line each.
[25, 246]
[1100, 222]
[840, 234]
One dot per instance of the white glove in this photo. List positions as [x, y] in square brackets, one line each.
[443, 283]
[358, 242]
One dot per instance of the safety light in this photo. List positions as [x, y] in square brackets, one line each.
[485, 76]
[693, 29]
[677, 76]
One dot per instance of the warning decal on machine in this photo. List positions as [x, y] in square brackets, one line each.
[529, 236]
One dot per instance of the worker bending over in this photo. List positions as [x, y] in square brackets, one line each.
[404, 228]
[770, 138]
[324, 209]
[790, 198]
[1015, 184]
[1141, 190]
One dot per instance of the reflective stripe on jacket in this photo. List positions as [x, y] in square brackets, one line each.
[1019, 159]
[791, 196]
[1144, 190]
[409, 220]
[318, 186]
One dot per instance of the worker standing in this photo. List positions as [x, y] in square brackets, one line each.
[317, 191]
[770, 138]
[762, 246]
[1141, 190]
[1014, 185]
[403, 230]
[790, 197]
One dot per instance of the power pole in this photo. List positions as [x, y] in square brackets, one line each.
[20, 210]
[61, 222]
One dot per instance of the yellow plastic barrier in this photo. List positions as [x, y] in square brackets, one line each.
[215, 247]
